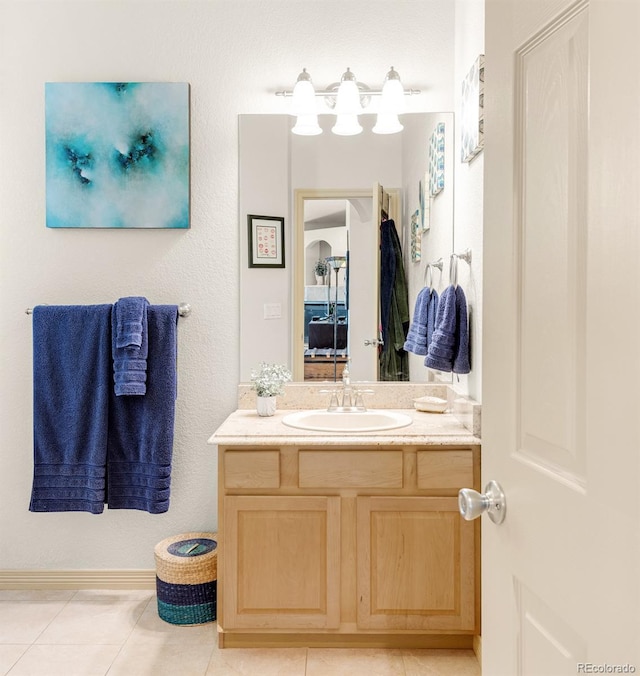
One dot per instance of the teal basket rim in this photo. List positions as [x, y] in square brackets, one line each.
[192, 547]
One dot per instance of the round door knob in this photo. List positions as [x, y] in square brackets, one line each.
[472, 504]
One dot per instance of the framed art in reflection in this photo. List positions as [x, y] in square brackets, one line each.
[416, 239]
[436, 160]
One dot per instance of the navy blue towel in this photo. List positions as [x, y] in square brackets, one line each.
[131, 320]
[71, 390]
[449, 347]
[130, 346]
[423, 322]
[141, 428]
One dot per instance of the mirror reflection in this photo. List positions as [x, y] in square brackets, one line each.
[337, 188]
[345, 318]
[326, 288]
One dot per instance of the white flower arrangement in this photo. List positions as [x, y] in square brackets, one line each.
[269, 379]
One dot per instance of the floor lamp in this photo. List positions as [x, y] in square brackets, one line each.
[336, 262]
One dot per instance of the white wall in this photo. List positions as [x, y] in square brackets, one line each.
[469, 28]
[234, 54]
[264, 176]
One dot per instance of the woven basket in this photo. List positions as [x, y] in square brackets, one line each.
[186, 578]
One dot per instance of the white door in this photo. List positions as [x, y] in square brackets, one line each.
[561, 402]
[363, 288]
[364, 280]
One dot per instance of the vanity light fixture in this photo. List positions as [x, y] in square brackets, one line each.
[303, 106]
[347, 106]
[391, 105]
[347, 99]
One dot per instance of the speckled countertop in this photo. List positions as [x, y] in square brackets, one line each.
[460, 425]
[245, 427]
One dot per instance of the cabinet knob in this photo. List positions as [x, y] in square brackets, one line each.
[472, 504]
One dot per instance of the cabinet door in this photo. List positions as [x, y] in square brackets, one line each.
[281, 562]
[416, 565]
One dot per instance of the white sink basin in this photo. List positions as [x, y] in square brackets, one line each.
[347, 421]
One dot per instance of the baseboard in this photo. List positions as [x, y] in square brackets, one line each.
[77, 579]
[242, 639]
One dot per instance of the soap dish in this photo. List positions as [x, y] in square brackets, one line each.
[430, 404]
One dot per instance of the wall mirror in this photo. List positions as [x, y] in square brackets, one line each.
[331, 190]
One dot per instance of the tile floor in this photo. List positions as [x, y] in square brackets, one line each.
[119, 633]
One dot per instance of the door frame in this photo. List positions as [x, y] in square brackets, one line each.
[297, 296]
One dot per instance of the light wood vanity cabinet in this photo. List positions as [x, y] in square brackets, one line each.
[347, 546]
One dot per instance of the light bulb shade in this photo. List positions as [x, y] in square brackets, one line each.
[346, 125]
[303, 101]
[387, 123]
[307, 125]
[348, 98]
[336, 262]
[392, 98]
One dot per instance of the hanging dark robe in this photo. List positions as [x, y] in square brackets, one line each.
[394, 306]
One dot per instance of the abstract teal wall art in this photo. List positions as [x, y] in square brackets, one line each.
[117, 154]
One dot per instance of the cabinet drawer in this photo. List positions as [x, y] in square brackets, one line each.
[252, 469]
[445, 469]
[350, 469]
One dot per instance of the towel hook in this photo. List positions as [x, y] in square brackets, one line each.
[428, 278]
[453, 269]
[465, 256]
[453, 264]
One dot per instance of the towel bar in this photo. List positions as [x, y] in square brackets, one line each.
[184, 309]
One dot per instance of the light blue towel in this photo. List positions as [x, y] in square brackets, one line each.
[71, 390]
[422, 325]
[449, 348]
[141, 428]
[130, 346]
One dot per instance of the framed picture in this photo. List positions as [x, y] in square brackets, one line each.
[472, 109]
[266, 241]
[117, 154]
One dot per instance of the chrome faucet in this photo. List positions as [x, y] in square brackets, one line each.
[347, 398]
[347, 390]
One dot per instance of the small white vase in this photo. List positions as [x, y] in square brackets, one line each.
[266, 405]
